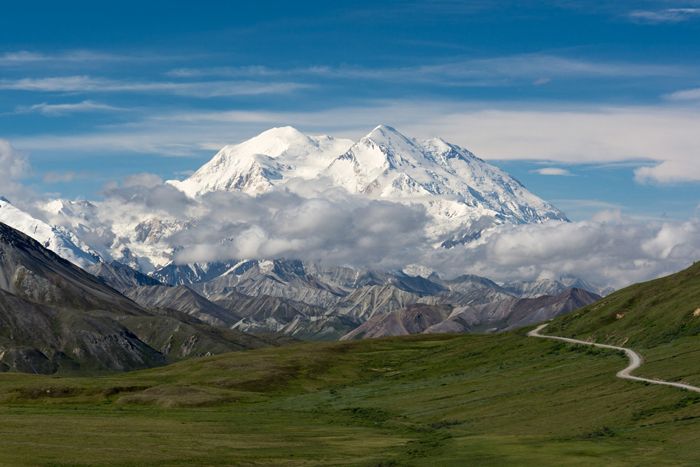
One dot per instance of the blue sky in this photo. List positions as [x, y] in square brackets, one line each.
[592, 105]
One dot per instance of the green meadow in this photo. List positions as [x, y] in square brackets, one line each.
[484, 400]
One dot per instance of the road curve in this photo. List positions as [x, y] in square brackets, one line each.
[635, 359]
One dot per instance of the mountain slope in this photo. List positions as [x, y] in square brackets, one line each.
[457, 196]
[32, 272]
[55, 317]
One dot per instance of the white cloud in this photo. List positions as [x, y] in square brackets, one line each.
[554, 171]
[608, 249]
[670, 171]
[669, 15]
[541, 81]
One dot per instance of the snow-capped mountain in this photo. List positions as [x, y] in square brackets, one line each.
[58, 239]
[269, 159]
[462, 193]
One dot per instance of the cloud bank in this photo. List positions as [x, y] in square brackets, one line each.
[339, 229]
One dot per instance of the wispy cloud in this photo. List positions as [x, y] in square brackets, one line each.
[553, 171]
[75, 58]
[83, 84]
[537, 69]
[63, 109]
[669, 15]
[23, 57]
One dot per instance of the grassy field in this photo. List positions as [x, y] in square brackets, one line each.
[419, 400]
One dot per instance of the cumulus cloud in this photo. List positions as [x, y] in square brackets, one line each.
[608, 249]
[14, 165]
[347, 230]
[336, 228]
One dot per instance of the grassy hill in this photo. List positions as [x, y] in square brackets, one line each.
[660, 319]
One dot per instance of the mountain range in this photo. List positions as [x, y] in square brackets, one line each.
[315, 302]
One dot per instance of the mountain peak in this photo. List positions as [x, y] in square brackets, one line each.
[383, 134]
[268, 159]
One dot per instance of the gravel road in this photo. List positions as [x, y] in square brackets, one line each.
[635, 359]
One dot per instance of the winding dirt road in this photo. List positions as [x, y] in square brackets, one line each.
[635, 359]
